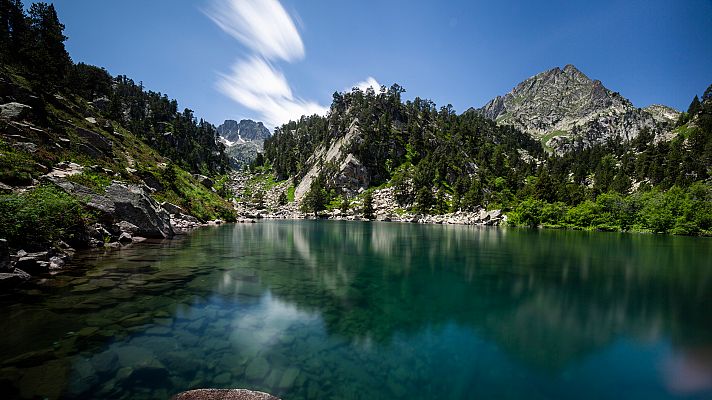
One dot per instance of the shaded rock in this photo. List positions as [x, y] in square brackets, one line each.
[5, 265]
[124, 226]
[101, 104]
[95, 140]
[133, 204]
[125, 238]
[13, 279]
[14, 111]
[89, 150]
[57, 262]
[5, 189]
[223, 394]
[204, 180]
[172, 208]
[34, 263]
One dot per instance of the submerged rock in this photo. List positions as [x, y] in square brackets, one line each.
[257, 369]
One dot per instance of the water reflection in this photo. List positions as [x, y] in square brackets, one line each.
[355, 310]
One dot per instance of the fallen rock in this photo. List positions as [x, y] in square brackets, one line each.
[223, 394]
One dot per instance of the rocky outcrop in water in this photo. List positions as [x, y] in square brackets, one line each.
[563, 106]
[223, 394]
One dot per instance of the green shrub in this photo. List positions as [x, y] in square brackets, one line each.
[40, 216]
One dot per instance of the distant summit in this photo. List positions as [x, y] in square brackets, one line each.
[563, 106]
[244, 131]
[244, 140]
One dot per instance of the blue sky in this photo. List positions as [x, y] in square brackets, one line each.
[273, 59]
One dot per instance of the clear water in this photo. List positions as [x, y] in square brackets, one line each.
[329, 310]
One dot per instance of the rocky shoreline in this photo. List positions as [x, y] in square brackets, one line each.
[385, 209]
[126, 214]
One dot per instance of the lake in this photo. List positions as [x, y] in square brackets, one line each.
[367, 310]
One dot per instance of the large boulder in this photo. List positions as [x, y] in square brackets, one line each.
[130, 207]
[14, 111]
[133, 204]
[34, 263]
[94, 139]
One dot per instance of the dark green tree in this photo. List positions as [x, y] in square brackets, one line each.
[316, 198]
[368, 211]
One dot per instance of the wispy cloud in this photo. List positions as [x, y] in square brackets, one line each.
[370, 82]
[267, 29]
[262, 25]
[258, 86]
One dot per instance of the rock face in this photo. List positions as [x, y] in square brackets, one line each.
[243, 140]
[560, 106]
[245, 130]
[125, 204]
[351, 175]
[243, 153]
[133, 204]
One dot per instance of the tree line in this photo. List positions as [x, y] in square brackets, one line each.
[32, 46]
[439, 161]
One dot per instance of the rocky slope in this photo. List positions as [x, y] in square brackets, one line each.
[564, 106]
[243, 140]
[57, 146]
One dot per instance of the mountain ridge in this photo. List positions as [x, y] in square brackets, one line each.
[563, 107]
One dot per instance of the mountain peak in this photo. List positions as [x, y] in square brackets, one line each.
[245, 130]
[565, 103]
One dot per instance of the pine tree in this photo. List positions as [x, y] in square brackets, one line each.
[46, 55]
[695, 107]
[368, 211]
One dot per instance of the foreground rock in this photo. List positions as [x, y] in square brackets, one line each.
[223, 394]
[124, 202]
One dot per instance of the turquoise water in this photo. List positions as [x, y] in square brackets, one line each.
[330, 310]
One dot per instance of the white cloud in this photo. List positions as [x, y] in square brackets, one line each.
[262, 25]
[258, 86]
[266, 28]
[363, 85]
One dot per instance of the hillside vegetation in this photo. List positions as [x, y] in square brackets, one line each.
[57, 113]
[437, 162]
